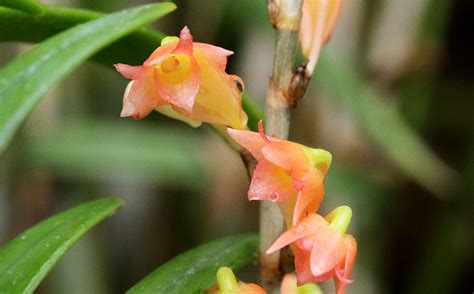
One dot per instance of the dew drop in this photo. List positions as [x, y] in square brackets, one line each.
[273, 196]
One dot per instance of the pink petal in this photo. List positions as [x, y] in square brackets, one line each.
[351, 251]
[287, 155]
[328, 250]
[310, 197]
[159, 54]
[141, 98]
[185, 44]
[304, 228]
[251, 141]
[270, 182]
[130, 72]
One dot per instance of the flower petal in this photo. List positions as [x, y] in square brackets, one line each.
[251, 141]
[306, 227]
[317, 23]
[185, 44]
[270, 182]
[140, 97]
[287, 155]
[217, 55]
[328, 250]
[159, 54]
[351, 251]
[219, 99]
[130, 72]
[310, 197]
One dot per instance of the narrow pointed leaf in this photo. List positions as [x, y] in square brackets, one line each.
[27, 259]
[194, 271]
[24, 81]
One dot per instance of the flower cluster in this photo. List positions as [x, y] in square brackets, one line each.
[186, 80]
[293, 175]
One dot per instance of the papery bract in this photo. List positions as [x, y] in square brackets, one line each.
[287, 172]
[321, 251]
[185, 80]
[317, 24]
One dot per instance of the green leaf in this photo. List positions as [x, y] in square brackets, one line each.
[24, 81]
[26, 260]
[98, 151]
[27, 6]
[385, 126]
[194, 271]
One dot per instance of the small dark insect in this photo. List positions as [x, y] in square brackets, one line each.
[239, 84]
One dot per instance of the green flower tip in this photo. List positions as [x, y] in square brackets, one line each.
[319, 157]
[169, 39]
[226, 279]
[309, 289]
[340, 219]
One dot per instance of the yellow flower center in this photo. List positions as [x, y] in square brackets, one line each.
[174, 68]
[170, 64]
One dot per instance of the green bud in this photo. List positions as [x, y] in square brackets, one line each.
[319, 157]
[226, 280]
[169, 39]
[340, 219]
[309, 289]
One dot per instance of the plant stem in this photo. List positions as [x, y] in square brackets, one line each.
[285, 16]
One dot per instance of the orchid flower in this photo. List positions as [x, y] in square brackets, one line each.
[227, 284]
[321, 247]
[317, 24]
[185, 80]
[287, 172]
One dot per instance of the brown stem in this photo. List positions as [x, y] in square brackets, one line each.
[285, 16]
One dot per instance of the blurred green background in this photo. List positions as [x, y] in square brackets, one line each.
[397, 61]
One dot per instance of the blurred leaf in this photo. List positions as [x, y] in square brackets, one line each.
[24, 81]
[26, 260]
[385, 126]
[132, 49]
[27, 6]
[99, 150]
[194, 271]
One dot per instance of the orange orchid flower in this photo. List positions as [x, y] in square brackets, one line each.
[321, 247]
[185, 80]
[317, 24]
[287, 172]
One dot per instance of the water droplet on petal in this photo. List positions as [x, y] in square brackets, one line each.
[273, 196]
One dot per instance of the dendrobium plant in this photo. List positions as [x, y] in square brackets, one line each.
[185, 80]
[287, 172]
